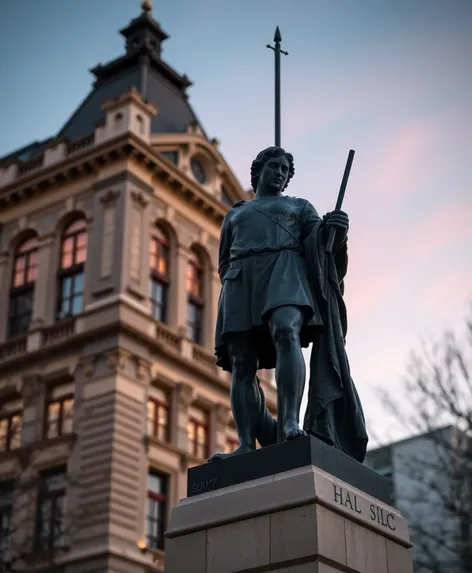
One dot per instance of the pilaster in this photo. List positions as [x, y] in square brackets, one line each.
[180, 299]
[5, 280]
[43, 306]
[186, 394]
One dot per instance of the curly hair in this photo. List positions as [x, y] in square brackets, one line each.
[261, 159]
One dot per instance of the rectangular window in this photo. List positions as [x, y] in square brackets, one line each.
[158, 297]
[158, 415]
[194, 321]
[20, 310]
[50, 510]
[59, 411]
[71, 295]
[6, 504]
[10, 427]
[156, 511]
[198, 436]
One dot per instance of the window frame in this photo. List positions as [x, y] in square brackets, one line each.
[160, 499]
[157, 403]
[60, 419]
[7, 488]
[25, 288]
[155, 276]
[9, 435]
[195, 444]
[72, 271]
[197, 301]
[43, 495]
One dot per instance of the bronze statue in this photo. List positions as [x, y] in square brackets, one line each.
[282, 290]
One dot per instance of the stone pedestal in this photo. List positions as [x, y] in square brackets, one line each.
[292, 515]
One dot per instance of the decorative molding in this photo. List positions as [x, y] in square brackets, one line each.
[108, 239]
[139, 198]
[186, 394]
[136, 243]
[117, 358]
[110, 196]
[223, 415]
[143, 369]
[88, 365]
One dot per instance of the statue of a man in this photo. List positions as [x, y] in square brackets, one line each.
[280, 292]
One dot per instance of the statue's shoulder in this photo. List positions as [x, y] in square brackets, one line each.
[239, 203]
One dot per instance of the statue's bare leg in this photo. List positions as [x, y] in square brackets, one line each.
[245, 395]
[285, 323]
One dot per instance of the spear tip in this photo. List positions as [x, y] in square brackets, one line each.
[277, 35]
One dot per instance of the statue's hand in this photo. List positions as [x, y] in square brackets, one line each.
[338, 220]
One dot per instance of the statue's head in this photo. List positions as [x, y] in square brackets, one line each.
[262, 165]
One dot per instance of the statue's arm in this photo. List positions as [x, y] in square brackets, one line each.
[225, 247]
[309, 219]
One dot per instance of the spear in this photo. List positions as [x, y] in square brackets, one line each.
[339, 202]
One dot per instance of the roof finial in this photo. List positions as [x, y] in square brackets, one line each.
[146, 6]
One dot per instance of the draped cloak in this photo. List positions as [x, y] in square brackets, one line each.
[334, 412]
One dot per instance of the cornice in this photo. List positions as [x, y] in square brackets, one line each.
[95, 157]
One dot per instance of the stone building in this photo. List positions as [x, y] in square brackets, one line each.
[108, 297]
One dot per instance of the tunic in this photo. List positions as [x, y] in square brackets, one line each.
[262, 267]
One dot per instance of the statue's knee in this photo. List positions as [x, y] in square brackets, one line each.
[284, 334]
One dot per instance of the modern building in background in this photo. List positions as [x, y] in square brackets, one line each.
[109, 288]
[431, 481]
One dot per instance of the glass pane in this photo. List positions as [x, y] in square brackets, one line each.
[79, 283]
[68, 416]
[82, 240]
[191, 431]
[162, 266]
[201, 435]
[190, 277]
[80, 255]
[32, 274]
[45, 519]
[57, 520]
[66, 260]
[29, 245]
[54, 409]
[19, 278]
[55, 481]
[77, 304]
[76, 226]
[3, 434]
[20, 263]
[66, 287]
[15, 432]
[154, 483]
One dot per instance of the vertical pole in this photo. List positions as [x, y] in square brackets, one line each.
[277, 89]
[277, 52]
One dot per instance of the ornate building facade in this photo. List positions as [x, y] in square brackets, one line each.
[109, 288]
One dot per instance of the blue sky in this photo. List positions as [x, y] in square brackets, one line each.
[390, 79]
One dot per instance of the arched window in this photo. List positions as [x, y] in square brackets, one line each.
[25, 270]
[72, 268]
[159, 274]
[195, 298]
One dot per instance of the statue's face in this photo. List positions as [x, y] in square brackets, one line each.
[274, 173]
